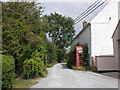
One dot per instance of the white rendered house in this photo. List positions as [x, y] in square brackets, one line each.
[98, 32]
[102, 29]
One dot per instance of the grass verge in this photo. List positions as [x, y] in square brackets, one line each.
[21, 83]
[50, 65]
[85, 68]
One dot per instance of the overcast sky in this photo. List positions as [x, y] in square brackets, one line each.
[69, 8]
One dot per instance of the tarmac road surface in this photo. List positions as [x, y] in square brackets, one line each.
[59, 76]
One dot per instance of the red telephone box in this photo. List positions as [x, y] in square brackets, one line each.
[79, 50]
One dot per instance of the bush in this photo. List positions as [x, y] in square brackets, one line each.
[33, 67]
[65, 60]
[36, 65]
[72, 56]
[20, 54]
[51, 53]
[7, 71]
[60, 54]
[22, 37]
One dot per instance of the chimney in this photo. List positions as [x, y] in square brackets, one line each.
[85, 23]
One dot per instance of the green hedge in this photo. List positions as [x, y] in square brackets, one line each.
[33, 67]
[7, 71]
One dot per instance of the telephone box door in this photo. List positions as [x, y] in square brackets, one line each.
[79, 50]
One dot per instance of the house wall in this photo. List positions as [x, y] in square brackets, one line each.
[105, 63]
[102, 28]
[119, 47]
[119, 36]
[85, 37]
[115, 45]
[119, 10]
[111, 62]
[75, 41]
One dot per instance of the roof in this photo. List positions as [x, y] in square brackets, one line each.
[80, 32]
[116, 28]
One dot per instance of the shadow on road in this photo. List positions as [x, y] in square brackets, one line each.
[64, 66]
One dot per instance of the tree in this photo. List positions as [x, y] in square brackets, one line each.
[23, 30]
[61, 29]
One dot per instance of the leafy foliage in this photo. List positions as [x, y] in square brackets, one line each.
[23, 30]
[35, 66]
[61, 29]
[72, 56]
[7, 71]
[51, 53]
[85, 55]
[24, 37]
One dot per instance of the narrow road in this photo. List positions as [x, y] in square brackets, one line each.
[59, 76]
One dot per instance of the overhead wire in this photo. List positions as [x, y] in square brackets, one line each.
[89, 12]
[89, 8]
